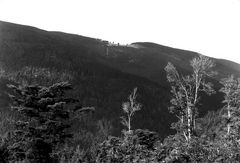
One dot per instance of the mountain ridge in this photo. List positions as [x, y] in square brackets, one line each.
[104, 73]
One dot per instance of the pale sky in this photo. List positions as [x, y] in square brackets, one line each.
[210, 27]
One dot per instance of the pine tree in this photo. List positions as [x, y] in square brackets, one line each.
[44, 119]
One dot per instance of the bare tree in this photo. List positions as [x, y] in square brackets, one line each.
[231, 90]
[185, 91]
[130, 108]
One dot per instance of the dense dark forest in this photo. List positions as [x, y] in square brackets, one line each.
[68, 98]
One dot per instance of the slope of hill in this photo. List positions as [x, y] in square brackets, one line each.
[104, 74]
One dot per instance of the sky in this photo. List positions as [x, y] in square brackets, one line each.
[209, 27]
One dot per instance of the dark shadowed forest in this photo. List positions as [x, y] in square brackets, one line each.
[67, 99]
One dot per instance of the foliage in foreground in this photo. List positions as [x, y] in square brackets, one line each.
[44, 119]
[41, 131]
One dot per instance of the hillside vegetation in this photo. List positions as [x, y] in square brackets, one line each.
[102, 76]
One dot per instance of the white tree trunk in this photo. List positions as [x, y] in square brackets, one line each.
[229, 116]
[129, 124]
[189, 122]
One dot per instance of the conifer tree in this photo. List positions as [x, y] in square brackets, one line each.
[44, 119]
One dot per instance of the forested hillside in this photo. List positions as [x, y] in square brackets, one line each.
[102, 76]
[103, 73]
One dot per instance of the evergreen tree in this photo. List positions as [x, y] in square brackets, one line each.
[44, 119]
